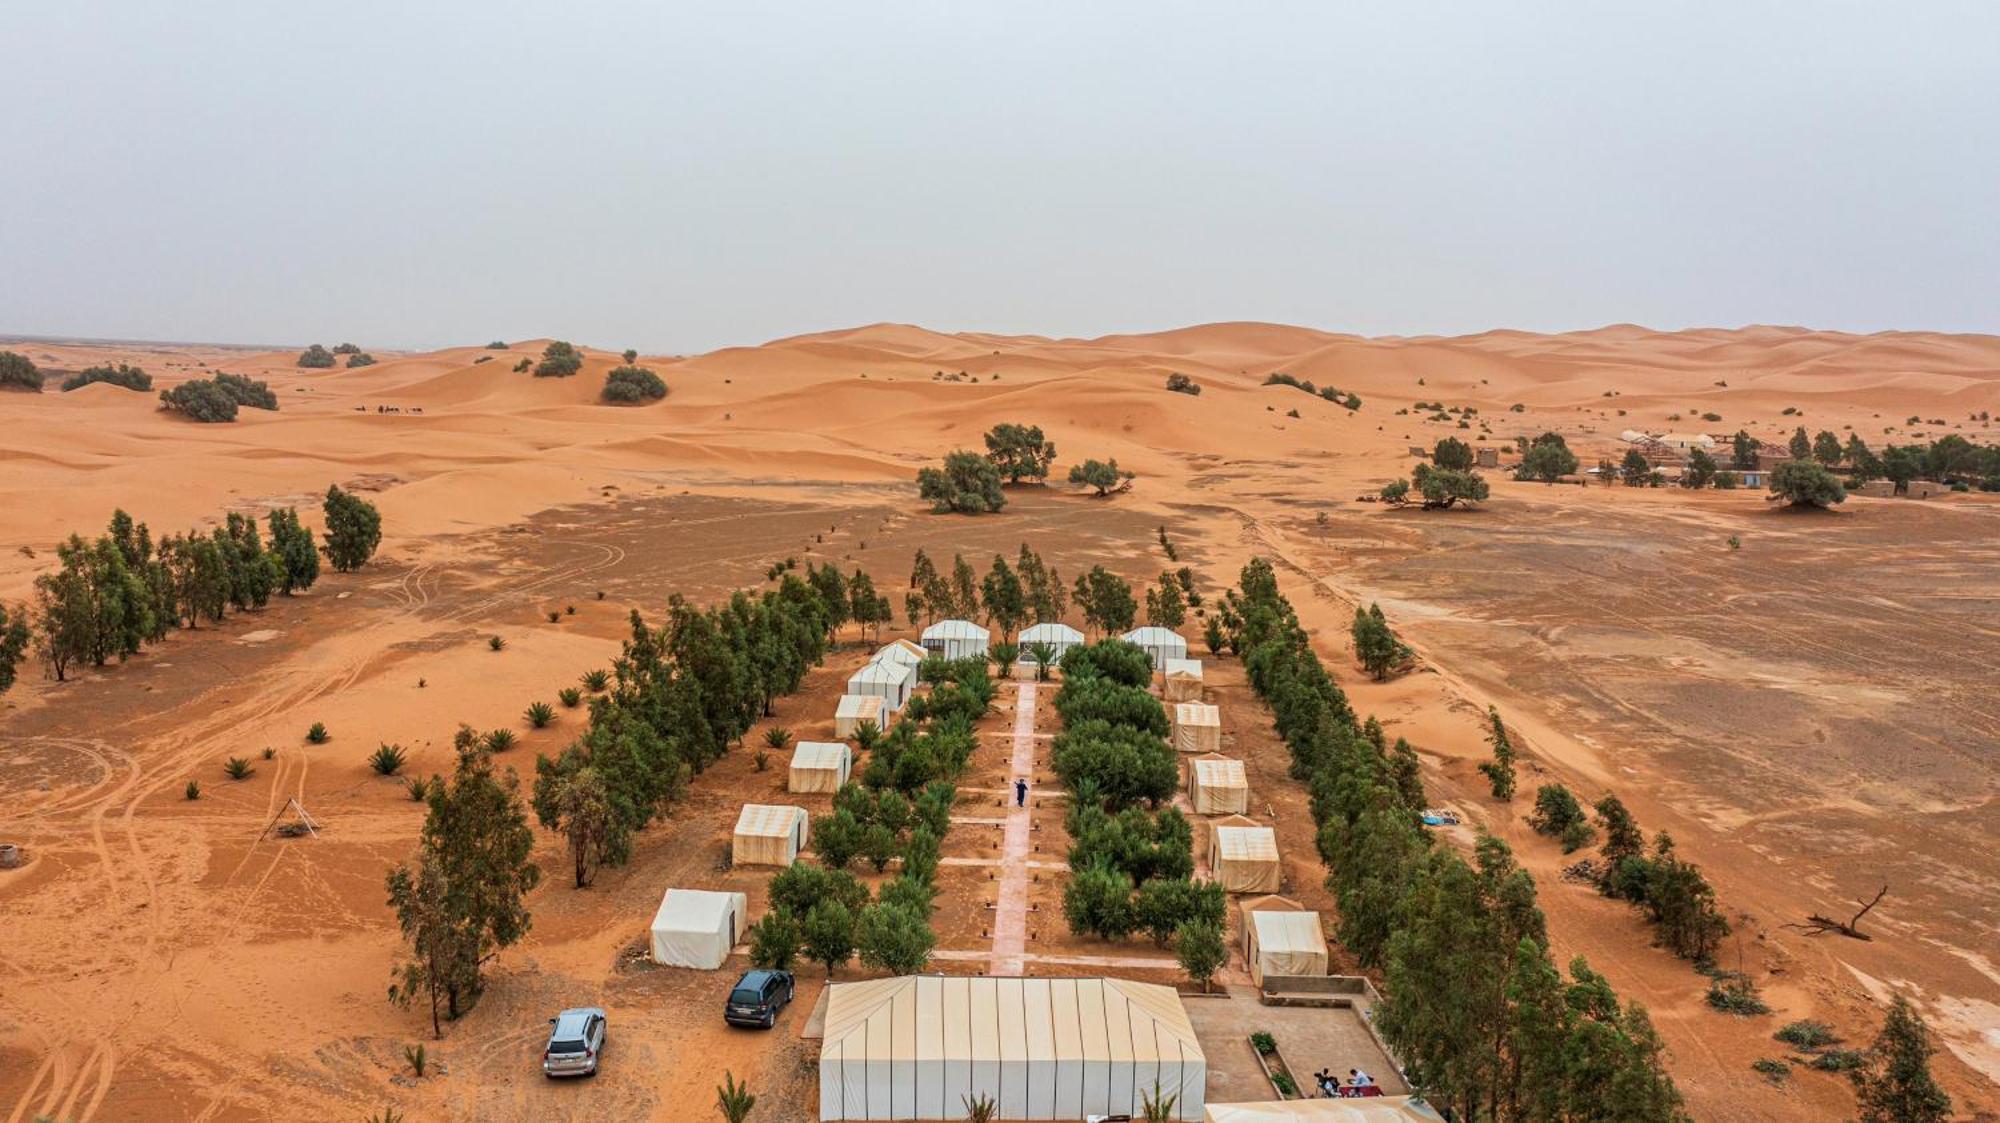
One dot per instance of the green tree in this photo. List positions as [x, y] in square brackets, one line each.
[14, 636]
[1826, 448]
[1396, 492]
[1701, 470]
[733, 1100]
[1900, 465]
[1803, 483]
[572, 799]
[827, 934]
[628, 385]
[1500, 770]
[316, 357]
[1200, 951]
[1005, 601]
[1375, 645]
[1896, 1085]
[1020, 452]
[1097, 900]
[200, 400]
[1106, 600]
[353, 529]
[293, 546]
[1743, 451]
[559, 360]
[123, 374]
[964, 589]
[1635, 470]
[1047, 600]
[1547, 459]
[774, 941]
[1861, 460]
[1800, 445]
[1166, 606]
[1452, 454]
[894, 938]
[1100, 474]
[466, 897]
[1443, 488]
[968, 483]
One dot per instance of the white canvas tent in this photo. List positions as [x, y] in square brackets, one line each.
[1280, 938]
[1182, 680]
[853, 709]
[892, 682]
[899, 651]
[819, 766]
[696, 927]
[1197, 727]
[1059, 637]
[914, 1047]
[768, 835]
[1217, 785]
[1161, 644]
[1243, 856]
[956, 639]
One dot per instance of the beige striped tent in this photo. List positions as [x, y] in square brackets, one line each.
[819, 766]
[768, 835]
[1197, 728]
[1181, 681]
[853, 709]
[1243, 856]
[1217, 785]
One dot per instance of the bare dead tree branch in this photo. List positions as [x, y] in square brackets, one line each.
[1816, 924]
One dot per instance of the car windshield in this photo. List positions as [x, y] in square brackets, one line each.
[566, 1046]
[746, 996]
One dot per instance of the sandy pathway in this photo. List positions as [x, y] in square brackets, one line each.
[1010, 919]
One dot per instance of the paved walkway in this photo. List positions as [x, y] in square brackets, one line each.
[1010, 915]
[1127, 962]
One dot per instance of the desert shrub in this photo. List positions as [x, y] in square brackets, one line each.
[1264, 1043]
[570, 697]
[247, 391]
[317, 734]
[539, 714]
[500, 740]
[496, 643]
[353, 529]
[524, 366]
[1396, 492]
[418, 790]
[200, 400]
[17, 372]
[967, 483]
[777, 737]
[193, 789]
[238, 768]
[1807, 1034]
[1182, 384]
[596, 681]
[1802, 483]
[387, 760]
[1556, 810]
[418, 1057]
[628, 384]
[1734, 993]
[1102, 475]
[316, 357]
[1776, 1071]
[1838, 1060]
[346, 349]
[497, 345]
[130, 377]
[559, 360]
[361, 359]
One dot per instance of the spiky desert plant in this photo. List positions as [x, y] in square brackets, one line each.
[194, 789]
[387, 760]
[867, 734]
[318, 734]
[269, 752]
[595, 681]
[1044, 656]
[500, 740]
[777, 737]
[540, 714]
[418, 789]
[1158, 1109]
[387, 1115]
[569, 610]
[238, 768]
[554, 616]
[417, 1057]
[761, 760]
[733, 1100]
[497, 643]
[980, 1108]
[570, 697]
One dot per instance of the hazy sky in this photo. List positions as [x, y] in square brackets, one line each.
[678, 177]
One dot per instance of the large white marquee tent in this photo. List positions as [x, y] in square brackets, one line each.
[891, 682]
[1059, 637]
[914, 1047]
[1161, 644]
[956, 639]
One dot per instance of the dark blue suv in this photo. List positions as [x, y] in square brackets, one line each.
[758, 997]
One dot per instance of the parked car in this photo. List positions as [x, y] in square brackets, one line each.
[757, 998]
[576, 1043]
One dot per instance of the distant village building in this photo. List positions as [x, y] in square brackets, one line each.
[1487, 457]
[1685, 443]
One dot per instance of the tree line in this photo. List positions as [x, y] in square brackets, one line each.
[110, 597]
[1487, 1025]
[1131, 863]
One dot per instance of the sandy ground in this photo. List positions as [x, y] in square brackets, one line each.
[1809, 715]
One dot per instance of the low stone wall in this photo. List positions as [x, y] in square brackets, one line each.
[1318, 990]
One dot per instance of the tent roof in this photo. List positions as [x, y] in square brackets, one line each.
[1155, 637]
[1196, 713]
[1220, 772]
[1270, 903]
[1383, 1109]
[1289, 931]
[819, 754]
[1246, 844]
[956, 629]
[695, 910]
[1184, 667]
[895, 674]
[899, 651]
[768, 820]
[1050, 633]
[860, 1017]
[857, 705]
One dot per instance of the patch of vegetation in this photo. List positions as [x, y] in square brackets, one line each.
[316, 357]
[1734, 993]
[1182, 384]
[559, 360]
[316, 734]
[967, 483]
[539, 715]
[130, 377]
[17, 372]
[630, 385]
[1807, 1034]
[238, 768]
[1020, 452]
[1103, 475]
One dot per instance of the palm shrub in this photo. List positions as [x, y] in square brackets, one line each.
[387, 760]
[1157, 1108]
[1004, 655]
[193, 789]
[980, 1108]
[386, 1115]
[500, 740]
[270, 753]
[496, 643]
[777, 737]
[317, 734]
[733, 1100]
[596, 681]
[867, 734]
[418, 789]
[570, 697]
[540, 714]
[417, 1056]
[238, 768]
[1044, 655]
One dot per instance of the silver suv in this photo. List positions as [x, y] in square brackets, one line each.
[576, 1043]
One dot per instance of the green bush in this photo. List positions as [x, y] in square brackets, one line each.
[361, 359]
[1732, 993]
[316, 357]
[200, 401]
[1807, 1034]
[1182, 384]
[629, 385]
[130, 377]
[317, 733]
[18, 372]
[387, 760]
[559, 360]
[967, 483]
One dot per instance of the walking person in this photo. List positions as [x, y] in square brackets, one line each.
[1020, 792]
